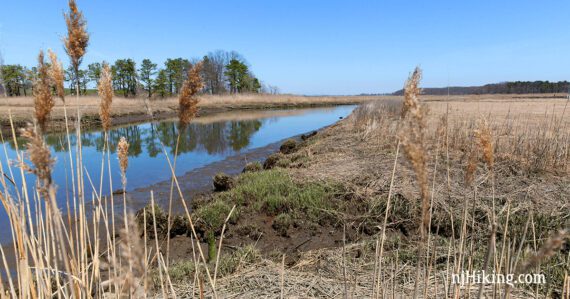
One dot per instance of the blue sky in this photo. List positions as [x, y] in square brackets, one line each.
[316, 47]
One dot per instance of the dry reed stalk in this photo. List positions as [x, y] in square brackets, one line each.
[57, 75]
[187, 99]
[219, 252]
[105, 90]
[43, 100]
[411, 135]
[134, 279]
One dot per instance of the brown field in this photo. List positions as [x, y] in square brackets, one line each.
[127, 110]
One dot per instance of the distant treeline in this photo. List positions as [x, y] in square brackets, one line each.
[222, 72]
[516, 87]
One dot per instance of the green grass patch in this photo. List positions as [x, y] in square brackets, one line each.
[274, 192]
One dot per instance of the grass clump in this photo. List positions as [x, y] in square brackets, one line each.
[184, 271]
[145, 219]
[272, 160]
[288, 146]
[223, 182]
[282, 222]
[274, 192]
[210, 220]
[252, 167]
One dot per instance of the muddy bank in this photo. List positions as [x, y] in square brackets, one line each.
[198, 182]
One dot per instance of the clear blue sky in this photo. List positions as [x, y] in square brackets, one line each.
[316, 47]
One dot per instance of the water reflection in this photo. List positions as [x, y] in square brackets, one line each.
[213, 138]
[206, 140]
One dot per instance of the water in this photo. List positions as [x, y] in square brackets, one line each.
[207, 140]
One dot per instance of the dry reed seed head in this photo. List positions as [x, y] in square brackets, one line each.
[188, 101]
[548, 250]
[411, 135]
[57, 75]
[105, 90]
[40, 156]
[485, 138]
[411, 95]
[43, 99]
[77, 37]
[122, 153]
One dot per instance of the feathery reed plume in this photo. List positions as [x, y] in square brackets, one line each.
[122, 152]
[105, 90]
[43, 100]
[412, 138]
[77, 37]
[548, 250]
[57, 75]
[187, 99]
[40, 156]
[485, 138]
[411, 95]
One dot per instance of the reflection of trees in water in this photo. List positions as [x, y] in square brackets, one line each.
[214, 138]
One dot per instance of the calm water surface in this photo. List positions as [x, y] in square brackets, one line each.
[208, 139]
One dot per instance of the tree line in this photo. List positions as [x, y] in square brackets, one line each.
[222, 71]
[513, 87]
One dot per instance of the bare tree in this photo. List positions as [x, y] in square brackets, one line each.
[273, 89]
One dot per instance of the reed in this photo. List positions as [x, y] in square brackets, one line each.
[77, 38]
[43, 99]
[123, 152]
[105, 90]
[57, 75]
[187, 99]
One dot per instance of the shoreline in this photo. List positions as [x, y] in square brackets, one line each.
[133, 111]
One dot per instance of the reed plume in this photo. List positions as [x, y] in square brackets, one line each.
[411, 95]
[40, 156]
[548, 250]
[57, 75]
[122, 152]
[412, 138]
[43, 100]
[105, 89]
[77, 37]
[188, 101]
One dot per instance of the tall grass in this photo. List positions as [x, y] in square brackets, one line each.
[491, 153]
